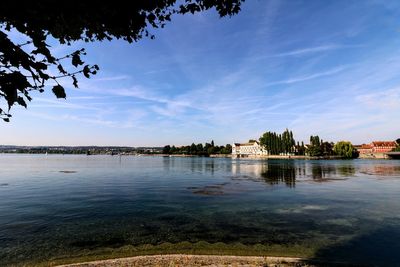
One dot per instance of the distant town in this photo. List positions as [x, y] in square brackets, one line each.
[269, 145]
[374, 150]
[88, 150]
[273, 145]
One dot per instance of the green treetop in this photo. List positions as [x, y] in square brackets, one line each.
[345, 149]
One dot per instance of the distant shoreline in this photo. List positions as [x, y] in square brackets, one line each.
[250, 157]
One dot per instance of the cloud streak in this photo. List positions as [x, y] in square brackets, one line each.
[316, 49]
[309, 76]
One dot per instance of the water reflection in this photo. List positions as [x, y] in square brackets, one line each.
[194, 164]
[326, 172]
[210, 166]
[288, 172]
[381, 170]
[247, 169]
[284, 172]
[346, 170]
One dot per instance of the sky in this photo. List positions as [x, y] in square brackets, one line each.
[327, 68]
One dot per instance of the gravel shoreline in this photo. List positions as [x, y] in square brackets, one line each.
[194, 260]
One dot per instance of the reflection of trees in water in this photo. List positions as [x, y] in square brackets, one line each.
[325, 171]
[284, 172]
[168, 163]
[319, 171]
[346, 170]
[195, 164]
[288, 171]
[210, 166]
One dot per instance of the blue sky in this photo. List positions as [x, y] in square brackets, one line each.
[330, 68]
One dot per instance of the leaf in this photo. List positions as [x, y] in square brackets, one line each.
[76, 60]
[61, 69]
[75, 81]
[6, 119]
[86, 71]
[43, 75]
[40, 66]
[59, 91]
[28, 97]
[21, 101]
[10, 95]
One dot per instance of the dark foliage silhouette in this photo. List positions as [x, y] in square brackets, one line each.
[30, 66]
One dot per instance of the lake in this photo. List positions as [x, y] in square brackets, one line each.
[55, 207]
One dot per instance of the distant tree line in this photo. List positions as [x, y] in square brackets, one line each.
[285, 144]
[44, 151]
[199, 149]
[89, 150]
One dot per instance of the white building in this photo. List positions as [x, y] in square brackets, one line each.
[252, 148]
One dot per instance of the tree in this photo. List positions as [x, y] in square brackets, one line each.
[278, 143]
[314, 140]
[200, 147]
[301, 150]
[227, 149]
[30, 66]
[266, 140]
[314, 149]
[193, 149]
[173, 150]
[327, 148]
[166, 149]
[397, 148]
[345, 149]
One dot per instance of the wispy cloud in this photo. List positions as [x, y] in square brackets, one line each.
[387, 100]
[316, 49]
[309, 76]
[40, 102]
[112, 78]
[68, 117]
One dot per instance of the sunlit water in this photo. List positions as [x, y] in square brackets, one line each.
[52, 206]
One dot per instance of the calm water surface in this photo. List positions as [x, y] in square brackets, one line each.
[53, 206]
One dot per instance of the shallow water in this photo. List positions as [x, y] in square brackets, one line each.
[54, 206]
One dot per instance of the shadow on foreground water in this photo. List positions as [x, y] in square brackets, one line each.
[377, 248]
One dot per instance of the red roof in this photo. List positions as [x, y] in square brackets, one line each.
[384, 143]
[365, 146]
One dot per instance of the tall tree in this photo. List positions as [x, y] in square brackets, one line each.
[30, 66]
[278, 143]
[314, 149]
[193, 149]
